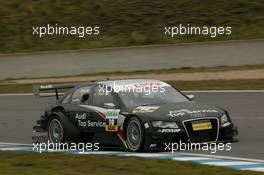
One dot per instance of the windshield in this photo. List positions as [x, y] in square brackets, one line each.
[144, 98]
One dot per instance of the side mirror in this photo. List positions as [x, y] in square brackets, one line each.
[191, 97]
[109, 105]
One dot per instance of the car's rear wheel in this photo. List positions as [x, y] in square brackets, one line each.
[135, 134]
[56, 132]
[61, 130]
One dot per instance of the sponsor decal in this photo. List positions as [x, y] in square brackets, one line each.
[95, 123]
[91, 124]
[101, 112]
[111, 120]
[145, 109]
[46, 86]
[194, 113]
[80, 116]
[202, 126]
[148, 84]
[169, 130]
[146, 125]
[83, 122]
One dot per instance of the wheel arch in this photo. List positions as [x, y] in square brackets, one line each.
[50, 113]
[58, 109]
[70, 129]
[127, 119]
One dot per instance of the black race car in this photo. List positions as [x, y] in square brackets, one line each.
[135, 114]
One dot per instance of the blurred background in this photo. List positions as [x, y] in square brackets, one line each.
[123, 23]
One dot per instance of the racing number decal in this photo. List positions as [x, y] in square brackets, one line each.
[111, 118]
[111, 125]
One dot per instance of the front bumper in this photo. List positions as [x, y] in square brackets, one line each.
[228, 134]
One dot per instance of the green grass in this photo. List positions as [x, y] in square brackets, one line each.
[123, 23]
[16, 163]
[19, 88]
[239, 84]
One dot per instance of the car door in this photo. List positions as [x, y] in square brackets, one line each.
[74, 105]
[103, 101]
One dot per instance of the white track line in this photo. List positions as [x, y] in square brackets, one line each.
[254, 169]
[15, 149]
[14, 144]
[203, 91]
[224, 91]
[19, 94]
[146, 154]
[28, 94]
[192, 158]
[222, 163]
[99, 152]
[223, 157]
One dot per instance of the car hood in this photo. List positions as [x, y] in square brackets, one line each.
[177, 111]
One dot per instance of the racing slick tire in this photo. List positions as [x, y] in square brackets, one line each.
[135, 135]
[60, 130]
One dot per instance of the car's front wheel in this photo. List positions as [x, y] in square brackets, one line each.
[135, 134]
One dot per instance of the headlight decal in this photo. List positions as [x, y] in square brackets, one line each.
[224, 121]
[163, 124]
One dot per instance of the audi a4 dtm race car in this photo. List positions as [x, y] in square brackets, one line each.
[134, 114]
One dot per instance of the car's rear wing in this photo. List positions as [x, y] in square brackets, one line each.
[47, 88]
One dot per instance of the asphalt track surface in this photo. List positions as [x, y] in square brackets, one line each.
[130, 59]
[18, 113]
